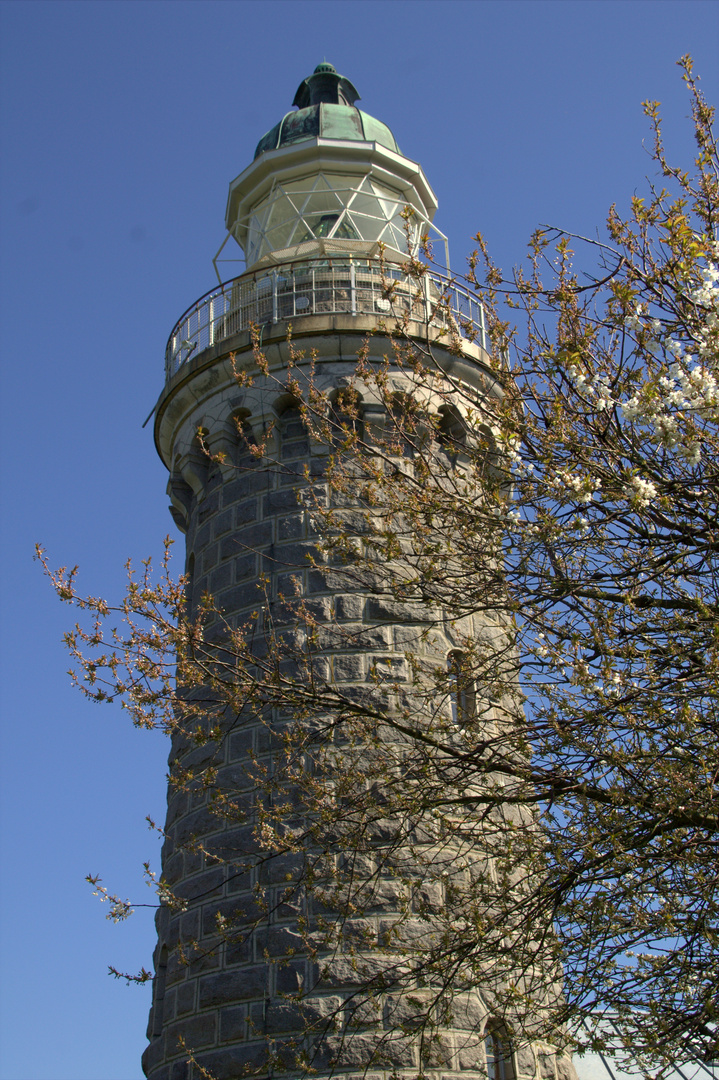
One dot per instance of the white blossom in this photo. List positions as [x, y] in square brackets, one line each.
[640, 491]
[634, 322]
[583, 488]
[592, 386]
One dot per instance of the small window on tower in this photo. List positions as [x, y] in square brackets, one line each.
[242, 431]
[346, 415]
[451, 431]
[462, 697]
[405, 424]
[498, 1053]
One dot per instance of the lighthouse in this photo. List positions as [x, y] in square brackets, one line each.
[327, 215]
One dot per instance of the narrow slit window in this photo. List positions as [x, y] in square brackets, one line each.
[499, 1054]
[462, 697]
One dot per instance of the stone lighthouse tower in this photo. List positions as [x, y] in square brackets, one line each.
[324, 214]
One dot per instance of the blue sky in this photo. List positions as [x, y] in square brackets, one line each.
[122, 125]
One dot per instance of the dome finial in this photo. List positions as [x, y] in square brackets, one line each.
[325, 85]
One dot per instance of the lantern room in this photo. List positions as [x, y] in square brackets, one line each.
[329, 179]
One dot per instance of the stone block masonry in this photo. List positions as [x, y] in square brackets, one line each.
[242, 985]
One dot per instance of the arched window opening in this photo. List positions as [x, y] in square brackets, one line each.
[462, 695]
[201, 455]
[294, 441]
[346, 415]
[404, 424]
[486, 456]
[451, 431]
[242, 430]
[498, 1053]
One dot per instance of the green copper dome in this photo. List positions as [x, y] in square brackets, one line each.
[326, 110]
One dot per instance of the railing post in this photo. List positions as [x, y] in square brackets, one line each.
[455, 303]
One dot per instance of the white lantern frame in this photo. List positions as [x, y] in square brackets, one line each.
[298, 200]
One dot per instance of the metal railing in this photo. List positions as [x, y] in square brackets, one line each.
[323, 287]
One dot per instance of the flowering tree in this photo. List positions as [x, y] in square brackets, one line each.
[611, 561]
[547, 799]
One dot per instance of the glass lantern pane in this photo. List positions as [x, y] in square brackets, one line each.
[281, 236]
[341, 181]
[254, 238]
[397, 237]
[280, 210]
[322, 202]
[368, 204]
[368, 228]
[390, 201]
